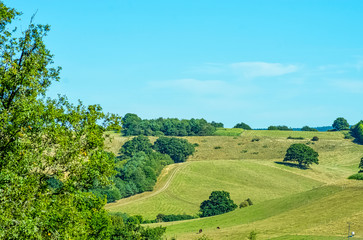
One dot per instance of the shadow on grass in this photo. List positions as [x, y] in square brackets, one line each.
[294, 165]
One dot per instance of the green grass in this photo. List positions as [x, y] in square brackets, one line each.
[289, 203]
[228, 132]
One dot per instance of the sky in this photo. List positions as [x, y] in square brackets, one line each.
[260, 62]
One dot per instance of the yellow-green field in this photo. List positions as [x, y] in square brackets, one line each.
[289, 203]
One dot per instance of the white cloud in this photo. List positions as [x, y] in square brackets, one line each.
[263, 69]
[197, 86]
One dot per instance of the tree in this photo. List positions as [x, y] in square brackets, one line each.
[178, 149]
[281, 128]
[307, 128]
[340, 124]
[242, 125]
[302, 154]
[219, 202]
[43, 142]
[51, 151]
[137, 144]
[361, 165]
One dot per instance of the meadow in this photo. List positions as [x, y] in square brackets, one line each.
[289, 203]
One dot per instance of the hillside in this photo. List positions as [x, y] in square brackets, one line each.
[287, 201]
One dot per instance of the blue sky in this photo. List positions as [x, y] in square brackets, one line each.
[264, 63]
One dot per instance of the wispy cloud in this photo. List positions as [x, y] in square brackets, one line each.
[263, 69]
[352, 86]
[196, 86]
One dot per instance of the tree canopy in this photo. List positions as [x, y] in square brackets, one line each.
[340, 124]
[51, 151]
[242, 125]
[308, 129]
[281, 128]
[219, 202]
[178, 149]
[304, 155]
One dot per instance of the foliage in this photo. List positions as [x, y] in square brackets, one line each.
[281, 128]
[315, 138]
[172, 217]
[309, 129]
[340, 124]
[252, 236]
[217, 124]
[357, 132]
[134, 125]
[302, 154]
[131, 229]
[361, 165]
[357, 176]
[246, 203]
[219, 202]
[137, 144]
[242, 125]
[178, 149]
[296, 138]
[113, 122]
[51, 151]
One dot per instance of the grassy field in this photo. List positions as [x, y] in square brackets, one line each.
[289, 203]
[228, 131]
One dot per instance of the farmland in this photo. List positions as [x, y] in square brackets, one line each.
[289, 203]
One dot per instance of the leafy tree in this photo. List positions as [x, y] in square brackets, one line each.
[217, 124]
[178, 149]
[361, 165]
[51, 151]
[43, 139]
[137, 144]
[243, 125]
[219, 202]
[357, 132]
[308, 129]
[281, 128]
[340, 124]
[302, 154]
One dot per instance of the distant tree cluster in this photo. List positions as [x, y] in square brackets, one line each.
[357, 132]
[134, 125]
[281, 128]
[219, 202]
[243, 126]
[217, 124]
[139, 165]
[308, 129]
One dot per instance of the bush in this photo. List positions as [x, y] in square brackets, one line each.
[357, 176]
[172, 217]
[315, 138]
[178, 149]
[217, 147]
[307, 128]
[243, 204]
[255, 140]
[297, 138]
[281, 128]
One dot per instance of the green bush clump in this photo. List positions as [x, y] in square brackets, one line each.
[357, 176]
[315, 138]
[297, 138]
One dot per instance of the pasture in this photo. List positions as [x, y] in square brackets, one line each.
[289, 203]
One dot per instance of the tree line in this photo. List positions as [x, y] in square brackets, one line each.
[133, 125]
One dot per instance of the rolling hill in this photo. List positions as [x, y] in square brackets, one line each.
[289, 203]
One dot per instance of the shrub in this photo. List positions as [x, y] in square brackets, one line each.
[357, 176]
[315, 138]
[307, 128]
[255, 140]
[297, 138]
[172, 217]
[243, 204]
[281, 128]
[217, 147]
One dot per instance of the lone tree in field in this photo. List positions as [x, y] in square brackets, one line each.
[302, 154]
[340, 124]
[219, 202]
